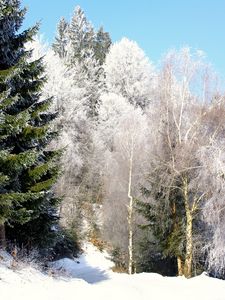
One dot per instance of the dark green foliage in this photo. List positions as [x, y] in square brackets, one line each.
[28, 169]
[101, 45]
[150, 258]
[66, 245]
[11, 42]
[39, 230]
[164, 231]
[164, 237]
[119, 259]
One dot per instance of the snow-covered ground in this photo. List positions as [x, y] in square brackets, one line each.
[90, 277]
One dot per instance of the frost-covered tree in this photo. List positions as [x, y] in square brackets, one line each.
[76, 89]
[184, 92]
[62, 39]
[211, 180]
[78, 98]
[91, 82]
[81, 34]
[102, 43]
[80, 123]
[129, 80]
[123, 131]
[129, 73]
[77, 39]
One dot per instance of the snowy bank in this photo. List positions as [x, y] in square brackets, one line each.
[90, 277]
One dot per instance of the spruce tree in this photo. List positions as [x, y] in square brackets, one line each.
[101, 45]
[62, 39]
[11, 17]
[28, 168]
[163, 231]
[81, 34]
[84, 79]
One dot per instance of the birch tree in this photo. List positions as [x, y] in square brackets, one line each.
[123, 174]
[183, 93]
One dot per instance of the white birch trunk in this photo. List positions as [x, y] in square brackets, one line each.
[130, 214]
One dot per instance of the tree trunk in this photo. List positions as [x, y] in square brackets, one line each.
[2, 236]
[189, 246]
[180, 266]
[175, 226]
[130, 237]
[130, 215]
[189, 240]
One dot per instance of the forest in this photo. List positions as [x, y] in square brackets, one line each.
[100, 144]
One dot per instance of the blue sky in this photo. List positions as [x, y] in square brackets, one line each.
[156, 25]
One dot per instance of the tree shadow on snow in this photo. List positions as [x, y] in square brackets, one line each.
[93, 275]
[80, 268]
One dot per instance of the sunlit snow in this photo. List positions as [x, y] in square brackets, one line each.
[91, 277]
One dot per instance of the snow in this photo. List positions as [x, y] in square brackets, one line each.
[93, 266]
[91, 277]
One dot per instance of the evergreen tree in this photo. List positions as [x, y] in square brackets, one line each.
[81, 34]
[91, 75]
[28, 168]
[163, 233]
[101, 45]
[12, 162]
[62, 39]
[77, 95]
[11, 42]
[11, 17]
